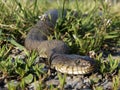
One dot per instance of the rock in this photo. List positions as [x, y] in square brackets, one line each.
[12, 84]
[52, 82]
[75, 82]
[34, 86]
[108, 86]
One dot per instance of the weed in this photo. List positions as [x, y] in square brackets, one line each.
[96, 25]
[107, 66]
[116, 82]
[62, 80]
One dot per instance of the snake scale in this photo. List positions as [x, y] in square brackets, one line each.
[56, 51]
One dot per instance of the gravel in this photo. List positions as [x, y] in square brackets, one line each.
[76, 82]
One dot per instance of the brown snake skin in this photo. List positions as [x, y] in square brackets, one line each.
[56, 50]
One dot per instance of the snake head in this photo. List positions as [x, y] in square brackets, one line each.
[84, 65]
[72, 64]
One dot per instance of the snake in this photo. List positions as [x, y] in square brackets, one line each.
[57, 51]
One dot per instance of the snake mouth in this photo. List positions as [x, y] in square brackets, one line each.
[74, 69]
[73, 65]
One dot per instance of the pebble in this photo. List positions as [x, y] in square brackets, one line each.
[108, 86]
[12, 84]
[34, 86]
[52, 82]
[74, 82]
[3, 88]
[77, 82]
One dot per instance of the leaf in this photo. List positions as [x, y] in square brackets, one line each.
[113, 63]
[12, 85]
[12, 41]
[20, 71]
[62, 79]
[28, 79]
[110, 36]
[113, 32]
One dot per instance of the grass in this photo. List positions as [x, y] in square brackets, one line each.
[108, 66]
[96, 28]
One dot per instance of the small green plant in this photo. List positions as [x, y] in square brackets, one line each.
[12, 85]
[116, 82]
[96, 25]
[89, 31]
[62, 80]
[98, 88]
[113, 63]
[23, 71]
[107, 66]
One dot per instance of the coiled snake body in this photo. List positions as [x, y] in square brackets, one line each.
[56, 50]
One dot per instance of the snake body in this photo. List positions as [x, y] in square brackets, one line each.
[56, 50]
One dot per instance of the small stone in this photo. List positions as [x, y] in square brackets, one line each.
[68, 78]
[21, 57]
[12, 84]
[108, 86]
[99, 76]
[34, 85]
[3, 88]
[75, 83]
[52, 82]
[105, 81]
[78, 86]
[68, 87]
[16, 51]
[37, 60]
[86, 80]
